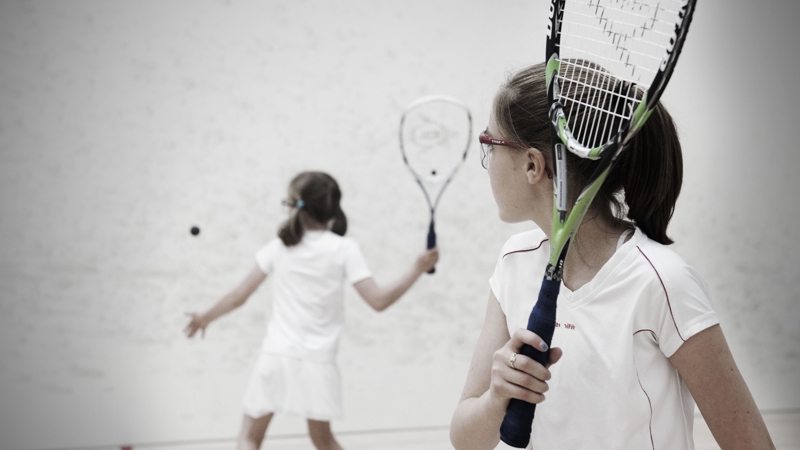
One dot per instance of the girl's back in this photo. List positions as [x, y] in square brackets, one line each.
[308, 288]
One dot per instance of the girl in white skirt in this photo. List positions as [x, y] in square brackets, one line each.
[309, 262]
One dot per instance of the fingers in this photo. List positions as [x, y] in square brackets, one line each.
[523, 336]
[433, 256]
[526, 380]
[191, 329]
[515, 375]
[519, 385]
[524, 364]
[428, 259]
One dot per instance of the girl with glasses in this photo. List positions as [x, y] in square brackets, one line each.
[309, 262]
[638, 341]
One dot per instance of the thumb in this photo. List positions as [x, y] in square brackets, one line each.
[555, 356]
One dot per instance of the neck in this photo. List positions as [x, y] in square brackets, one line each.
[309, 223]
[591, 248]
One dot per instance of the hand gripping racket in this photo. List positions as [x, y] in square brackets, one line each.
[608, 61]
[435, 133]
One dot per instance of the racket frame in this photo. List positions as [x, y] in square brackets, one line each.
[433, 203]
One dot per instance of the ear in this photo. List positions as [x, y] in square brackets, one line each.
[536, 169]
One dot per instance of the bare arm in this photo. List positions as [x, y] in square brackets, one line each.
[226, 304]
[491, 382]
[706, 365]
[381, 297]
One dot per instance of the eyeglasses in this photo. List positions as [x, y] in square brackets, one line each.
[487, 142]
[486, 147]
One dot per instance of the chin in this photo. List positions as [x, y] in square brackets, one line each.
[508, 218]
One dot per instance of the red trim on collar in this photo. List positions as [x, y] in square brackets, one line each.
[528, 249]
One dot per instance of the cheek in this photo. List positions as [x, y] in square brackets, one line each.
[501, 190]
[495, 181]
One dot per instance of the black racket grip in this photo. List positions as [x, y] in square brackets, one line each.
[431, 243]
[516, 427]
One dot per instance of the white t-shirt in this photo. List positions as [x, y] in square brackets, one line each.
[308, 288]
[614, 387]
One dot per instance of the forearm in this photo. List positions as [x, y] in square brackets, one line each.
[390, 293]
[225, 305]
[476, 424]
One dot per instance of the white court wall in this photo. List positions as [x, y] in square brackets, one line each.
[122, 124]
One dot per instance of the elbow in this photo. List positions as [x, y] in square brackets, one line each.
[378, 302]
[456, 440]
[379, 306]
[236, 300]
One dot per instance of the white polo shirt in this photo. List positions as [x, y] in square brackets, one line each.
[614, 387]
[308, 288]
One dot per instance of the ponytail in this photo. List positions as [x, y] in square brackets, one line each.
[651, 174]
[339, 225]
[291, 233]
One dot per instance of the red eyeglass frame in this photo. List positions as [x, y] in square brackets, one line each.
[484, 138]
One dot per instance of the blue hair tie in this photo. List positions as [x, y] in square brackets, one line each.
[300, 204]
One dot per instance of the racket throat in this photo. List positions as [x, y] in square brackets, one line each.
[556, 272]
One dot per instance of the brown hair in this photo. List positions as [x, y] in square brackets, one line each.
[646, 181]
[318, 194]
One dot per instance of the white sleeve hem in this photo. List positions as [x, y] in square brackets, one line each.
[703, 322]
[360, 277]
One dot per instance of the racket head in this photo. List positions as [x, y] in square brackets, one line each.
[608, 64]
[435, 135]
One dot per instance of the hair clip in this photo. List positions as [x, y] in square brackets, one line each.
[300, 204]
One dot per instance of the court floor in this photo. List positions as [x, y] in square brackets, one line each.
[784, 427]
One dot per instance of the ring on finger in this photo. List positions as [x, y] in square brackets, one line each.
[512, 360]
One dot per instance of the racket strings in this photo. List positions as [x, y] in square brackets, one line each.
[430, 132]
[434, 138]
[595, 103]
[610, 52]
[628, 37]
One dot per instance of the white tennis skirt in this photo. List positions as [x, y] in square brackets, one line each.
[281, 384]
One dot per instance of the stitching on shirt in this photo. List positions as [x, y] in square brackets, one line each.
[650, 404]
[655, 336]
[528, 249]
[669, 304]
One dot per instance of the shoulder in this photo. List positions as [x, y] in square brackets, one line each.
[667, 266]
[346, 243]
[521, 252]
[268, 254]
[342, 245]
[533, 241]
[676, 301]
[522, 255]
[273, 245]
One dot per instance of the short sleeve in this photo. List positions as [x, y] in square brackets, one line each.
[265, 258]
[355, 268]
[682, 306]
[495, 281]
[521, 252]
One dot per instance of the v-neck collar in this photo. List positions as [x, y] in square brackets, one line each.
[586, 292]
